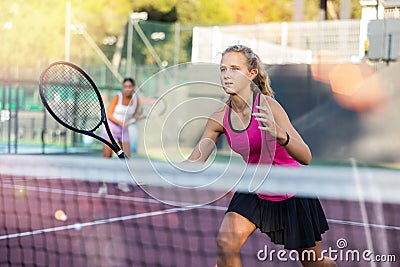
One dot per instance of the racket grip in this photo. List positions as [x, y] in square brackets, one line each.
[121, 154]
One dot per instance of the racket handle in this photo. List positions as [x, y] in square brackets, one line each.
[121, 154]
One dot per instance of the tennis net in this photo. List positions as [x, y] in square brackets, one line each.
[52, 215]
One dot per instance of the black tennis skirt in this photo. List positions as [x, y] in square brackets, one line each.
[295, 223]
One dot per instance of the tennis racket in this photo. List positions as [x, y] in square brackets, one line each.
[74, 101]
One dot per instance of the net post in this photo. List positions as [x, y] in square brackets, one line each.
[389, 49]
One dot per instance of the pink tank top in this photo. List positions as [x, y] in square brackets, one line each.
[257, 147]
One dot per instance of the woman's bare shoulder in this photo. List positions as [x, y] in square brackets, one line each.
[216, 119]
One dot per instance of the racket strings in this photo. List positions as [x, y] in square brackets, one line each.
[71, 97]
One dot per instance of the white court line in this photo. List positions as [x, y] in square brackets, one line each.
[150, 200]
[363, 208]
[98, 222]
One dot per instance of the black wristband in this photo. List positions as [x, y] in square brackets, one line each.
[287, 139]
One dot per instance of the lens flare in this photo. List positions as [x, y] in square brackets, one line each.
[60, 215]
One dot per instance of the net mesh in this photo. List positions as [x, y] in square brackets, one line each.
[51, 214]
[71, 97]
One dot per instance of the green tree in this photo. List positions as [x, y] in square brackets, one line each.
[33, 32]
[187, 11]
[103, 20]
[30, 32]
[261, 11]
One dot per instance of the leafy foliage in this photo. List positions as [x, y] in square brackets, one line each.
[33, 32]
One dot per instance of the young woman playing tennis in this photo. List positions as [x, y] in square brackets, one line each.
[252, 116]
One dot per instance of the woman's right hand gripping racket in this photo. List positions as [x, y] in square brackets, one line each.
[72, 98]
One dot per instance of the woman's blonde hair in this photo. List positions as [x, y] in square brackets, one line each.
[261, 83]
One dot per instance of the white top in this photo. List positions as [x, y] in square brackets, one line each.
[124, 113]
